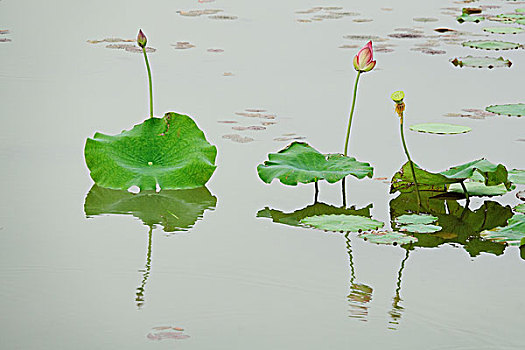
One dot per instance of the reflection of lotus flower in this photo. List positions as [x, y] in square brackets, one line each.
[364, 60]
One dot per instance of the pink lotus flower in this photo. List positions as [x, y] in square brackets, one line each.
[364, 60]
[141, 39]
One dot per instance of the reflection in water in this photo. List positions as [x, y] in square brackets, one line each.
[174, 210]
[360, 294]
[397, 309]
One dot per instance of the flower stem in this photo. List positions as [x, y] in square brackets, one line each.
[410, 161]
[351, 113]
[150, 84]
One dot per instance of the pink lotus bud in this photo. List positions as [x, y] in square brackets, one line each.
[364, 60]
[141, 39]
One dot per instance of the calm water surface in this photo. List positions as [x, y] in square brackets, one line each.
[235, 281]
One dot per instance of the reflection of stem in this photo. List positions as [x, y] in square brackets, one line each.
[140, 290]
[350, 257]
[150, 84]
[316, 196]
[351, 113]
[464, 190]
[397, 310]
[410, 161]
[343, 188]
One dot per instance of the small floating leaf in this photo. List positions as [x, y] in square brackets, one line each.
[520, 208]
[387, 237]
[468, 18]
[491, 45]
[341, 222]
[436, 128]
[517, 176]
[511, 234]
[299, 162]
[171, 152]
[421, 228]
[416, 219]
[481, 62]
[504, 30]
[517, 109]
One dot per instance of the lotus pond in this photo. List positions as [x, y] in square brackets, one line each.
[422, 247]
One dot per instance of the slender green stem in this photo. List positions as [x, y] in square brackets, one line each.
[351, 113]
[410, 161]
[465, 191]
[150, 84]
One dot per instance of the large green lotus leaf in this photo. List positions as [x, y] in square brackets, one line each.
[403, 180]
[517, 109]
[342, 223]
[175, 210]
[469, 18]
[491, 45]
[294, 218]
[481, 62]
[299, 162]
[511, 234]
[503, 30]
[420, 228]
[415, 219]
[387, 237]
[475, 188]
[492, 173]
[171, 152]
[438, 128]
[520, 208]
[517, 176]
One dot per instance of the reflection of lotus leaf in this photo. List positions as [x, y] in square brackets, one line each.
[387, 237]
[511, 234]
[341, 222]
[299, 162]
[294, 218]
[421, 228]
[517, 109]
[175, 210]
[504, 30]
[440, 128]
[491, 45]
[416, 219]
[475, 188]
[520, 208]
[517, 176]
[481, 62]
[171, 152]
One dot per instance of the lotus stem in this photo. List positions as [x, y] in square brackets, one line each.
[465, 191]
[409, 160]
[316, 195]
[150, 83]
[351, 113]
[343, 189]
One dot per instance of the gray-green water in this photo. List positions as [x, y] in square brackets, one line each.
[235, 281]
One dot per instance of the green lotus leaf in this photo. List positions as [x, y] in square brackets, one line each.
[521, 21]
[481, 62]
[491, 45]
[387, 237]
[511, 16]
[520, 208]
[436, 128]
[511, 234]
[171, 152]
[517, 176]
[416, 219]
[175, 210]
[504, 30]
[517, 109]
[421, 228]
[343, 223]
[520, 10]
[294, 218]
[299, 162]
[475, 188]
[493, 174]
[403, 180]
[469, 18]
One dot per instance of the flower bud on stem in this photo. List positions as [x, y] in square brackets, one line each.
[141, 41]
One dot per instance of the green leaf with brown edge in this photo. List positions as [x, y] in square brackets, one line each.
[403, 180]
[171, 152]
[301, 163]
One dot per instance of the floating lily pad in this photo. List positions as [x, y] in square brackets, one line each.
[517, 109]
[491, 45]
[387, 237]
[511, 234]
[341, 222]
[436, 128]
[468, 18]
[481, 62]
[299, 162]
[421, 228]
[521, 21]
[504, 30]
[520, 208]
[517, 176]
[416, 219]
[171, 152]
[175, 210]
[511, 16]
[475, 188]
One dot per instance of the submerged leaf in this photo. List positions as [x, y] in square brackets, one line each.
[517, 109]
[491, 45]
[171, 152]
[416, 219]
[344, 223]
[437, 128]
[421, 228]
[387, 237]
[300, 163]
[511, 234]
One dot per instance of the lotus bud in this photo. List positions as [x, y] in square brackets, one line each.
[364, 60]
[141, 39]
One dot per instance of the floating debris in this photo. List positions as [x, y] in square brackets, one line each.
[4, 31]
[111, 40]
[289, 138]
[346, 46]
[182, 45]
[227, 121]
[255, 110]
[256, 115]
[365, 37]
[238, 138]
[425, 19]
[362, 20]
[444, 30]
[223, 17]
[405, 35]
[268, 123]
[428, 51]
[5, 40]
[215, 50]
[137, 49]
[228, 74]
[119, 46]
[253, 127]
[196, 13]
